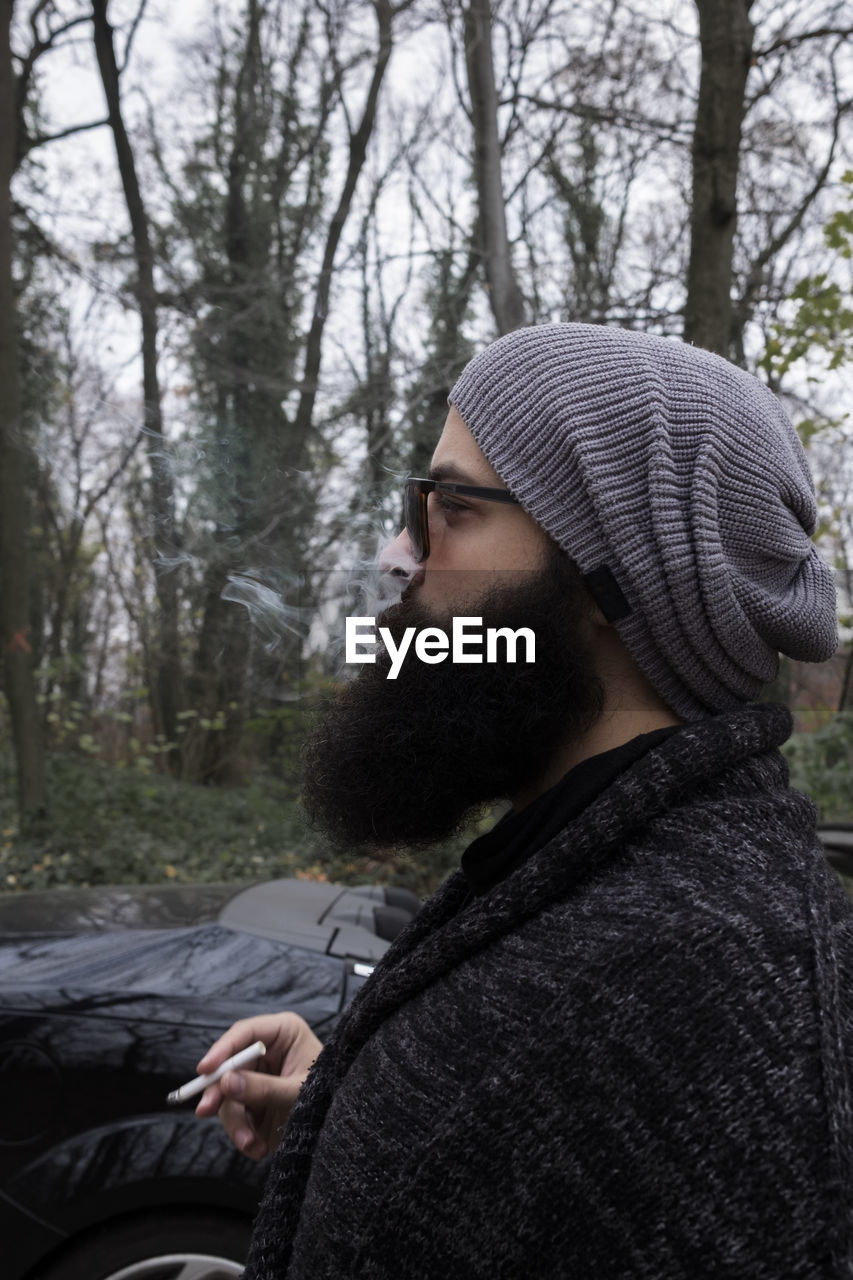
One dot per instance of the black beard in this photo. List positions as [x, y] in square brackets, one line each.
[403, 762]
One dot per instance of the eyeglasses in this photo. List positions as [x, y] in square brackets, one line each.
[416, 493]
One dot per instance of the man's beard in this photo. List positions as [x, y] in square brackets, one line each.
[403, 762]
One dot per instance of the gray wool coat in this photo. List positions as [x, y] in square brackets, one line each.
[630, 1058]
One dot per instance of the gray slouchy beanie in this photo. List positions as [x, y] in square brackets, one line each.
[679, 473]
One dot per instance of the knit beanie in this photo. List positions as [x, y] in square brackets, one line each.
[677, 484]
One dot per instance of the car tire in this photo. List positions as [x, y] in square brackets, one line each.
[188, 1244]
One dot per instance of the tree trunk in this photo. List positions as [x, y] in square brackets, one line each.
[725, 37]
[504, 294]
[169, 684]
[19, 684]
[218, 689]
[217, 686]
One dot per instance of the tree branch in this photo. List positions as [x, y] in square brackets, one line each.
[95, 498]
[771, 250]
[791, 42]
[600, 115]
[24, 77]
[132, 33]
[41, 138]
[385, 14]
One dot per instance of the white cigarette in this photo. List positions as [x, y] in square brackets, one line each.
[189, 1090]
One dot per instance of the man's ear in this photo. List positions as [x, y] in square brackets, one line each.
[595, 614]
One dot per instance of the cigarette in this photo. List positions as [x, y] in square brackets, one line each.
[189, 1090]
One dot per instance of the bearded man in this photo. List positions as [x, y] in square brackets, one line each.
[617, 1041]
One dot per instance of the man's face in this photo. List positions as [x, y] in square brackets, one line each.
[404, 761]
[473, 542]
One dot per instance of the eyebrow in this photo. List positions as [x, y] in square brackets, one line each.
[450, 471]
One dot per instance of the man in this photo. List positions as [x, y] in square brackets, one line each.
[617, 1042]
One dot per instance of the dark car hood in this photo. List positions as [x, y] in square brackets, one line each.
[189, 975]
[200, 949]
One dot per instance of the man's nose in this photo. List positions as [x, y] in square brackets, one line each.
[396, 558]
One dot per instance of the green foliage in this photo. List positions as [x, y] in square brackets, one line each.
[821, 764]
[823, 317]
[114, 825]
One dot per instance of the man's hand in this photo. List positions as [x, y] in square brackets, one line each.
[254, 1105]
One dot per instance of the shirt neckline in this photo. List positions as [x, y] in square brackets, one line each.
[519, 834]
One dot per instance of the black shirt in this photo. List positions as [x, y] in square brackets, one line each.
[516, 836]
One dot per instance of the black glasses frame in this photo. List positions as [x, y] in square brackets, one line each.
[415, 494]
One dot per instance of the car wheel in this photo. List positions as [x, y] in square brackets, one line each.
[188, 1245]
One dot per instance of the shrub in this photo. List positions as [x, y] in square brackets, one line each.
[821, 764]
[124, 825]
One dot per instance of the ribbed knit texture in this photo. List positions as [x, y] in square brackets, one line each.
[682, 474]
[631, 1058]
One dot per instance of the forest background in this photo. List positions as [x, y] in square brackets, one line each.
[245, 249]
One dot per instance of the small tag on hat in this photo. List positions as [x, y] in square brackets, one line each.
[607, 593]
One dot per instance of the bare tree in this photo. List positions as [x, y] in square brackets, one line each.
[80, 467]
[169, 680]
[359, 137]
[18, 680]
[264, 223]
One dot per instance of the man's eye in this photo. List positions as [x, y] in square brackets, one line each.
[448, 507]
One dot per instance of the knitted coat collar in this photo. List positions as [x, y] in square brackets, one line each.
[439, 939]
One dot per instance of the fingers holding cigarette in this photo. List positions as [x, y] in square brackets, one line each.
[241, 1059]
[255, 1110]
[253, 1105]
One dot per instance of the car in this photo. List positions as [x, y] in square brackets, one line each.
[837, 839]
[108, 998]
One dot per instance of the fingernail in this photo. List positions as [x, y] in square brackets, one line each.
[235, 1083]
[243, 1138]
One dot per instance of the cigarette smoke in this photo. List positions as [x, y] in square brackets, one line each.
[273, 601]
